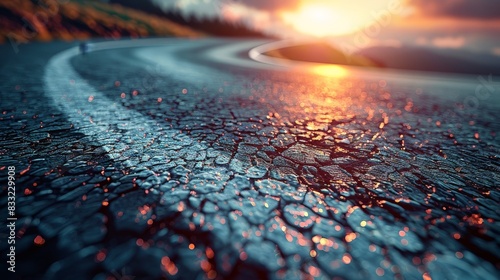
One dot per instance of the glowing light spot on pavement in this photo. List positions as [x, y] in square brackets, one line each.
[159, 99]
[346, 258]
[205, 265]
[350, 237]
[184, 91]
[314, 271]
[380, 271]
[144, 209]
[191, 246]
[101, 256]
[39, 240]
[212, 274]
[303, 242]
[474, 219]
[209, 252]
[169, 266]
[316, 239]
[181, 206]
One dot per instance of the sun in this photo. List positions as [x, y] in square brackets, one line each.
[322, 18]
[319, 21]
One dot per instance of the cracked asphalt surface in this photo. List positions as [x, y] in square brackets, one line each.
[164, 162]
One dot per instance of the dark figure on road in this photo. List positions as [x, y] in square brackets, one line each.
[84, 48]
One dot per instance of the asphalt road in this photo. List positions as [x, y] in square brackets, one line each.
[186, 159]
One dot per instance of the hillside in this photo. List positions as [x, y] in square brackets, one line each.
[321, 52]
[406, 57]
[425, 59]
[25, 20]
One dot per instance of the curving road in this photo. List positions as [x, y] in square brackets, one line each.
[187, 159]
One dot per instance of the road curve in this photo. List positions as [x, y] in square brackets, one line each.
[186, 159]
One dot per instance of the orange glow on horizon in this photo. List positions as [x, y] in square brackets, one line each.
[330, 70]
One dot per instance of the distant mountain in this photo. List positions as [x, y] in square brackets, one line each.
[405, 57]
[212, 26]
[321, 52]
[425, 59]
[27, 20]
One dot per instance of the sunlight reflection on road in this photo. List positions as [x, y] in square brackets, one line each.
[329, 70]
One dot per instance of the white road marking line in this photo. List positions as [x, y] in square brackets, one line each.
[98, 117]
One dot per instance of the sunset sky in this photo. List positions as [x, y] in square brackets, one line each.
[447, 24]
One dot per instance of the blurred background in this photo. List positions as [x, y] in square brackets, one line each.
[461, 36]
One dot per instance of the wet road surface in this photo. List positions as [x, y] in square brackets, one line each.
[177, 160]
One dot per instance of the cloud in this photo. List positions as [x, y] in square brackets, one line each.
[449, 42]
[477, 9]
[267, 5]
[200, 6]
[258, 14]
